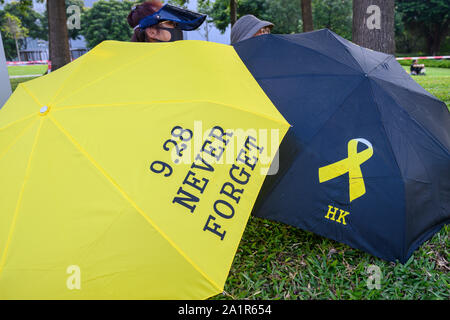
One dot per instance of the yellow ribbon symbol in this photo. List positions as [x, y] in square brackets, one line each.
[351, 165]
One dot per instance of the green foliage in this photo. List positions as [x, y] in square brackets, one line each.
[424, 12]
[407, 39]
[9, 46]
[179, 3]
[12, 28]
[30, 19]
[335, 15]
[426, 21]
[284, 14]
[218, 12]
[106, 20]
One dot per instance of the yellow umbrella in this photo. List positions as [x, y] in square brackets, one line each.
[131, 173]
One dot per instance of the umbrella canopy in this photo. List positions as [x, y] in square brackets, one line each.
[367, 160]
[102, 193]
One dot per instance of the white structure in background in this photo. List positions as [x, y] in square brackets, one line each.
[5, 86]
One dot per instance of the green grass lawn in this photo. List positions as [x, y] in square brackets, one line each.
[437, 82]
[27, 70]
[276, 261]
[23, 71]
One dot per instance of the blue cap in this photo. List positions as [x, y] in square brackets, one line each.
[185, 19]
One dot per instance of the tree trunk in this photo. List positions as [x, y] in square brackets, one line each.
[307, 16]
[17, 47]
[233, 12]
[434, 37]
[57, 34]
[373, 24]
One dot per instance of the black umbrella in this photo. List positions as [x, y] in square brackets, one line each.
[367, 161]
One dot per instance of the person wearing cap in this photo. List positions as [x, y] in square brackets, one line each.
[249, 26]
[154, 22]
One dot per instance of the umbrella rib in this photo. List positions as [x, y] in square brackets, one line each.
[2, 154]
[252, 112]
[351, 55]
[306, 75]
[167, 102]
[21, 85]
[63, 85]
[19, 200]
[425, 94]
[427, 132]
[17, 121]
[336, 110]
[31, 94]
[321, 53]
[99, 105]
[393, 155]
[379, 64]
[108, 74]
[134, 205]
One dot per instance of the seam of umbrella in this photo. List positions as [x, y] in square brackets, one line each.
[346, 50]
[387, 59]
[364, 57]
[322, 54]
[396, 162]
[336, 110]
[429, 95]
[19, 200]
[99, 105]
[63, 85]
[3, 153]
[17, 121]
[430, 135]
[26, 117]
[307, 75]
[177, 101]
[137, 208]
[109, 73]
[27, 90]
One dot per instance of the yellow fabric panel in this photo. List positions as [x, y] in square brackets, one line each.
[139, 132]
[183, 70]
[47, 87]
[19, 107]
[88, 196]
[13, 132]
[71, 215]
[13, 167]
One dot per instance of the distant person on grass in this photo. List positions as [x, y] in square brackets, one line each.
[154, 22]
[249, 26]
[417, 69]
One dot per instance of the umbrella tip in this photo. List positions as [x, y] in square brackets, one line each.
[44, 110]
